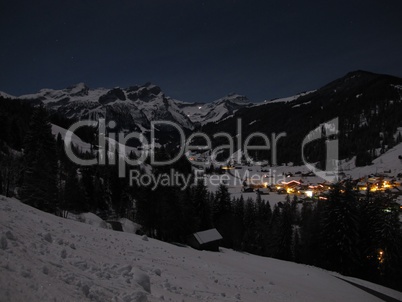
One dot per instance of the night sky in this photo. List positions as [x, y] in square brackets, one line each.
[196, 50]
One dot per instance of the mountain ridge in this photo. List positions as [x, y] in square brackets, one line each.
[141, 104]
[135, 107]
[368, 107]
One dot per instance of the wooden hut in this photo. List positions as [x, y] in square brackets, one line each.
[206, 240]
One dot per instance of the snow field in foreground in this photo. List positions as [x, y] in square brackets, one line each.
[48, 258]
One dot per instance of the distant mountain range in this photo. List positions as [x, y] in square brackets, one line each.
[368, 105]
[134, 107]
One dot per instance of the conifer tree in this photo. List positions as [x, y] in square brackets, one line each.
[250, 215]
[202, 210]
[222, 203]
[340, 230]
[39, 188]
[380, 239]
[222, 215]
[262, 219]
[238, 226]
[74, 198]
[285, 235]
[309, 233]
[188, 218]
[274, 229]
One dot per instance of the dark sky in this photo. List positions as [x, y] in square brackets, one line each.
[196, 50]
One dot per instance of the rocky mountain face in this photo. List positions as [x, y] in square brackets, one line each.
[134, 107]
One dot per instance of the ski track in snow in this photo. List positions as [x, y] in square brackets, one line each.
[48, 258]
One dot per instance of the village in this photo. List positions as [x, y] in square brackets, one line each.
[274, 183]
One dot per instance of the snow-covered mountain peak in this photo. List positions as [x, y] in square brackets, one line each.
[203, 113]
[77, 92]
[135, 105]
[79, 89]
[235, 99]
[6, 95]
[145, 93]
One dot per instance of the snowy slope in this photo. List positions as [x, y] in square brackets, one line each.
[288, 99]
[76, 141]
[215, 111]
[123, 151]
[48, 258]
[388, 162]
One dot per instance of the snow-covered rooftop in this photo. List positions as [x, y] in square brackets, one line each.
[208, 236]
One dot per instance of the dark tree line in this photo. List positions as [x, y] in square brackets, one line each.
[39, 187]
[354, 235]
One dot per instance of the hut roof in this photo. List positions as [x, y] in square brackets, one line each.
[208, 236]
